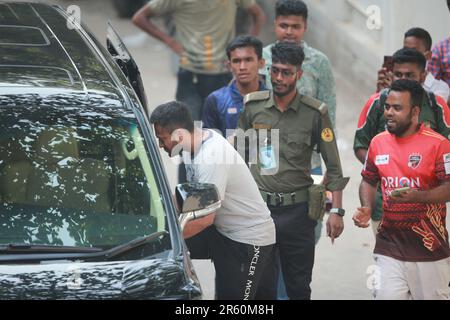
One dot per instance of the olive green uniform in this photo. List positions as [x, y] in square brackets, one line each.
[303, 127]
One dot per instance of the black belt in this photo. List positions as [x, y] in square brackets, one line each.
[285, 199]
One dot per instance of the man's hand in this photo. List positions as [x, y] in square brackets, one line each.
[408, 196]
[384, 79]
[362, 216]
[335, 226]
[175, 46]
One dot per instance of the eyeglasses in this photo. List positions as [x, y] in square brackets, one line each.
[285, 73]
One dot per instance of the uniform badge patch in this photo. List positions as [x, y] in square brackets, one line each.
[414, 160]
[327, 135]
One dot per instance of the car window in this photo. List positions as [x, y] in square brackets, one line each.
[76, 177]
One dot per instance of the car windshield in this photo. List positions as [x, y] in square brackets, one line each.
[75, 177]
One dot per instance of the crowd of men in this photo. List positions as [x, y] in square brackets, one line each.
[273, 112]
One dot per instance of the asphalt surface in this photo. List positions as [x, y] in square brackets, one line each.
[340, 270]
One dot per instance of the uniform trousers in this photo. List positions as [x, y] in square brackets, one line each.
[295, 245]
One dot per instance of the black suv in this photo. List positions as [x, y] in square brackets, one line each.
[85, 207]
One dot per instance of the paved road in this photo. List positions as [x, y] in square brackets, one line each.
[340, 269]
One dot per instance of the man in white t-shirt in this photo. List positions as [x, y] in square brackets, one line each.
[239, 237]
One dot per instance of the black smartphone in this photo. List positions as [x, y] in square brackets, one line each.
[388, 63]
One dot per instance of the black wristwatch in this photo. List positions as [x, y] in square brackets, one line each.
[339, 211]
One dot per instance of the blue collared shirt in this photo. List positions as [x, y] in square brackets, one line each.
[222, 108]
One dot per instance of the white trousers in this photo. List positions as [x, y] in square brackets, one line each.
[401, 280]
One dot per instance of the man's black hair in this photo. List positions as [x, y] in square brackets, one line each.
[173, 115]
[245, 41]
[407, 55]
[414, 88]
[288, 53]
[422, 35]
[291, 8]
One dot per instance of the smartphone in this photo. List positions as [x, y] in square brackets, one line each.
[399, 191]
[388, 63]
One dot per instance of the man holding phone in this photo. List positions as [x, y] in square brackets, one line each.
[412, 164]
[388, 63]
[419, 39]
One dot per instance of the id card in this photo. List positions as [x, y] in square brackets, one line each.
[267, 158]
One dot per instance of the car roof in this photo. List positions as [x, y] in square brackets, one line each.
[40, 49]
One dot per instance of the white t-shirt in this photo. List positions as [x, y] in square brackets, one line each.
[243, 216]
[438, 87]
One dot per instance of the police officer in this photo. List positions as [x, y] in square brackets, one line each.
[282, 167]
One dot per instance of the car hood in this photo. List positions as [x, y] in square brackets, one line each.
[143, 279]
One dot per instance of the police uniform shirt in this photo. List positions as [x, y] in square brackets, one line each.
[303, 125]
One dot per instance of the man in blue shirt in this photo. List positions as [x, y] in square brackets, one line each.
[222, 107]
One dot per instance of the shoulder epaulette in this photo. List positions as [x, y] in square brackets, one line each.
[257, 96]
[314, 104]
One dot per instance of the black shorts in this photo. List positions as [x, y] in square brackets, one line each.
[243, 271]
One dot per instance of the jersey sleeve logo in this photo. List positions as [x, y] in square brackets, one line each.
[382, 159]
[327, 135]
[414, 160]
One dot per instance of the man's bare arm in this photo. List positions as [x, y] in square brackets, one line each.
[196, 226]
[142, 20]
[335, 223]
[258, 19]
[367, 194]
[361, 155]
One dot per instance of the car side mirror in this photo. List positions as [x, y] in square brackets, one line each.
[196, 200]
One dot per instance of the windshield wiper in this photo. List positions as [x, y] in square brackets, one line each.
[25, 252]
[44, 248]
[133, 244]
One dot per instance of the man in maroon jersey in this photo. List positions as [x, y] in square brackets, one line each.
[412, 249]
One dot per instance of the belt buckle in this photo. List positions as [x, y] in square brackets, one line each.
[279, 199]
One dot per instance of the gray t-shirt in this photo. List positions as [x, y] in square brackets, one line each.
[243, 216]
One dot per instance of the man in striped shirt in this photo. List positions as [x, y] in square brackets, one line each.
[439, 65]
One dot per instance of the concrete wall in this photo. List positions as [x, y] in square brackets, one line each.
[340, 29]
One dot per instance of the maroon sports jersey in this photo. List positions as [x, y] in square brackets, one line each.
[410, 231]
